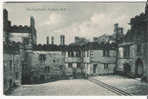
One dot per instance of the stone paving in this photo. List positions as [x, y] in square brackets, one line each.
[77, 87]
[132, 86]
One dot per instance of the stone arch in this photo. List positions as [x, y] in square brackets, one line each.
[139, 68]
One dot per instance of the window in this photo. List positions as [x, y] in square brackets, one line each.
[26, 41]
[63, 53]
[127, 52]
[87, 53]
[10, 64]
[83, 53]
[69, 65]
[78, 54]
[72, 54]
[106, 53]
[54, 61]
[42, 58]
[91, 53]
[47, 69]
[105, 66]
[68, 54]
[78, 65]
[61, 67]
[121, 51]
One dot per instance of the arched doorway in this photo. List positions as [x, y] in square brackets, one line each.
[139, 68]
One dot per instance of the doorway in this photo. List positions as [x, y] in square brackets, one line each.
[139, 68]
[94, 68]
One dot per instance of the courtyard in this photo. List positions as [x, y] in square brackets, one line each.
[76, 87]
[129, 85]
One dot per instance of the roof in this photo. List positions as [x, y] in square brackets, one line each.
[74, 47]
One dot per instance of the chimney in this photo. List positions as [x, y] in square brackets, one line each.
[47, 40]
[116, 28]
[62, 40]
[52, 40]
[121, 30]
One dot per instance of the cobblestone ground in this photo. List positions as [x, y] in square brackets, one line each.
[133, 86]
[75, 87]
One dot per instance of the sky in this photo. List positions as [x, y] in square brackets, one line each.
[83, 19]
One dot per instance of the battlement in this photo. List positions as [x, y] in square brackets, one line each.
[20, 29]
[8, 28]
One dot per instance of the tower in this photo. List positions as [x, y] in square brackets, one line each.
[6, 26]
[32, 35]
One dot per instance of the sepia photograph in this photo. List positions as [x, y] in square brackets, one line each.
[75, 48]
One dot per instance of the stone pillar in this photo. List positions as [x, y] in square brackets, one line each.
[21, 63]
[28, 61]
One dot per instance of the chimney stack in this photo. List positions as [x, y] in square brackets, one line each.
[120, 30]
[52, 40]
[62, 40]
[116, 26]
[47, 40]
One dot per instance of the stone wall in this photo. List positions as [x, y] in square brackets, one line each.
[12, 70]
[100, 64]
[101, 69]
[46, 66]
[134, 56]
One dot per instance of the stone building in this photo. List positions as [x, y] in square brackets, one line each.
[91, 58]
[73, 61]
[45, 62]
[14, 51]
[99, 59]
[133, 51]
